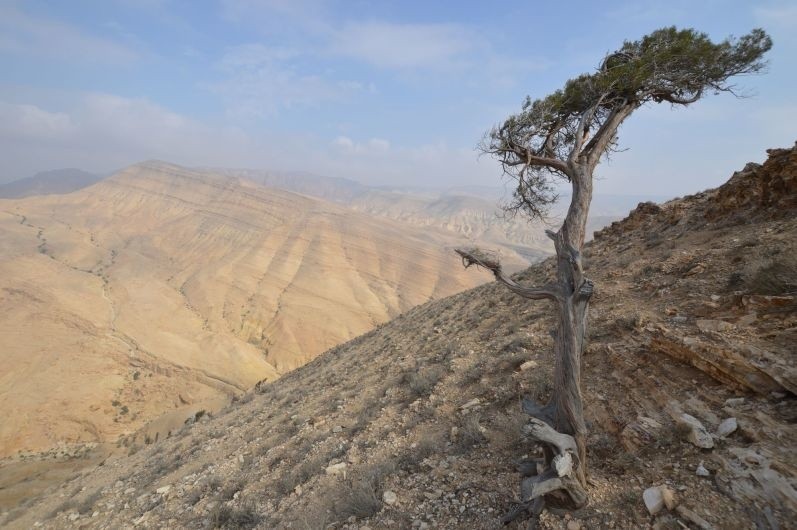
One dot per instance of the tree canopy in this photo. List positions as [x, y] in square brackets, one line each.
[567, 132]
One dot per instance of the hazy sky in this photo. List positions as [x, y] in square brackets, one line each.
[383, 92]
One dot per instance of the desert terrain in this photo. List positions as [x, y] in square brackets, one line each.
[161, 291]
[415, 424]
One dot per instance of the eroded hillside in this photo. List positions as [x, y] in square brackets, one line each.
[165, 291]
[416, 423]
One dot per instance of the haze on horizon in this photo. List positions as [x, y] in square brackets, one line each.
[387, 93]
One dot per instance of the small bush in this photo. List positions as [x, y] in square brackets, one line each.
[776, 277]
[422, 382]
[230, 489]
[360, 498]
[236, 517]
[470, 434]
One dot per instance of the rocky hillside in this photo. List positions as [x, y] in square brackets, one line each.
[161, 291]
[689, 385]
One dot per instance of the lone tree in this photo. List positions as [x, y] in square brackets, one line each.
[563, 137]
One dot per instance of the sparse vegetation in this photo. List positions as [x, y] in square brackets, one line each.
[242, 516]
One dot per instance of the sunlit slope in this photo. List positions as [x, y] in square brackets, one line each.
[162, 289]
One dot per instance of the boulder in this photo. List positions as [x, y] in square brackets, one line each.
[727, 427]
[697, 434]
[389, 498]
[654, 501]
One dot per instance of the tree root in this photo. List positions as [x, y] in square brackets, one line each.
[552, 477]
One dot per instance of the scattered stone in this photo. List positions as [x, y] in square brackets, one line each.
[680, 319]
[669, 497]
[389, 498]
[74, 516]
[337, 428]
[746, 320]
[573, 525]
[714, 325]
[701, 471]
[298, 489]
[734, 402]
[697, 433]
[654, 500]
[163, 490]
[528, 365]
[336, 469]
[727, 427]
[128, 491]
[472, 403]
[697, 269]
[693, 518]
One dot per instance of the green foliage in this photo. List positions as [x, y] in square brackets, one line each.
[568, 131]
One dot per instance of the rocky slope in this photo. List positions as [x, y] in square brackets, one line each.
[160, 291]
[416, 423]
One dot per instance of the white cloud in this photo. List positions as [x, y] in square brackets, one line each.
[389, 45]
[782, 15]
[260, 81]
[100, 132]
[373, 146]
[23, 34]
[32, 122]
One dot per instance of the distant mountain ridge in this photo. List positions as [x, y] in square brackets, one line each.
[163, 290]
[473, 212]
[53, 182]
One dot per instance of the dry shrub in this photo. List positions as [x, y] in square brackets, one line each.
[421, 383]
[243, 516]
[776, 276]
[470, 434]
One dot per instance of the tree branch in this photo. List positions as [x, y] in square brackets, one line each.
[481, 259]
[597, 146]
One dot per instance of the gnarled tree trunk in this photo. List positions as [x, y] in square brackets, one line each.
[559, 424]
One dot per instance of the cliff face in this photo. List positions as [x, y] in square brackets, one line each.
[689, 383]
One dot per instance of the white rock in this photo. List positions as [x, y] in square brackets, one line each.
[654, 500]
[563, 464]
[702, 471]
[128, 491]
[727, 427]
[734, 402]
[163, 489]
[336, 469]
[337, 428]
[697, 433]
[389, 498]
[528, 365]
[74, 516]
[472, 403]
[713, 325]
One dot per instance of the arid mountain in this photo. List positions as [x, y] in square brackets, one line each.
[57, 181]
[470, 212]
[416, 423]
[161, 291]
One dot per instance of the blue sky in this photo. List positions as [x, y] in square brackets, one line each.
[382, 92]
